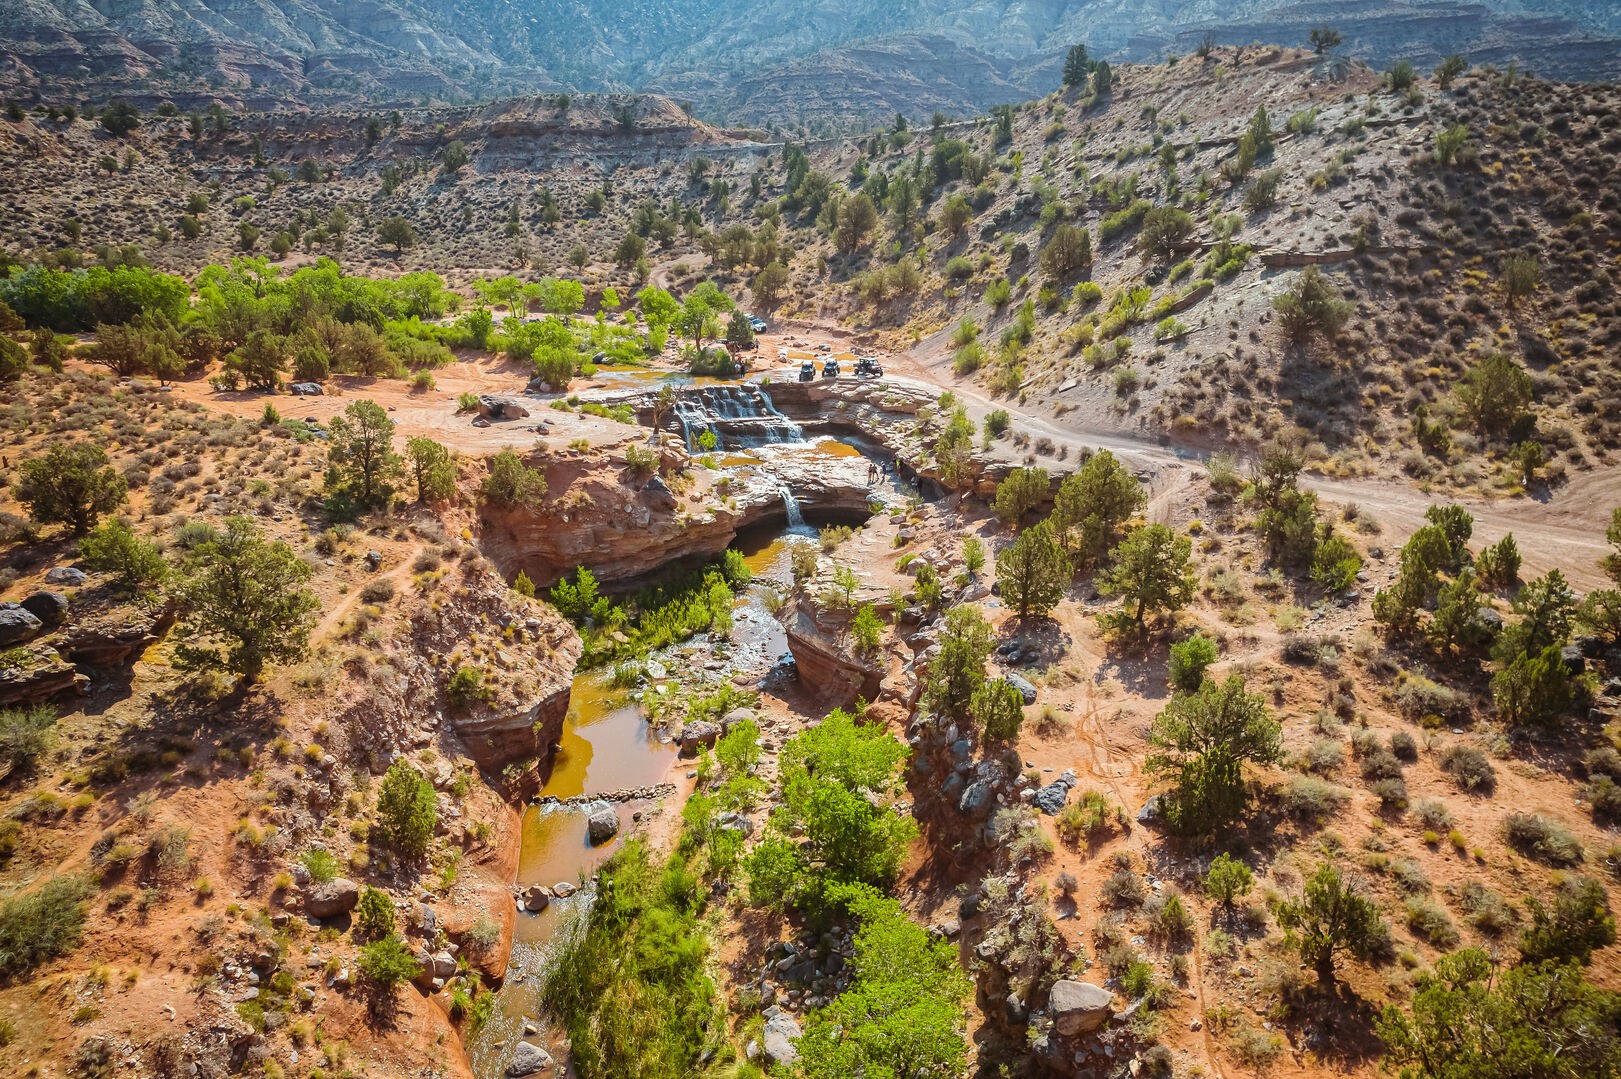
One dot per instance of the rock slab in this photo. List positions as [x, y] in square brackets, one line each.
[529, 1059]
[781, 1040]
[1079, 1007]
[331, 899]
[602, 824]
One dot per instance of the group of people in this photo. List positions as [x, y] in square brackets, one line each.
[876, 472]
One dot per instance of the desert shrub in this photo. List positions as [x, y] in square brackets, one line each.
[1168, 916]
[1578, 921]
[1418, 697]
[1312, 800]
[1603, 762]
[25, 734]
[1123, 890]
[1430, 922]
[1485, 910]
[321, 864]
[1403, 746]
[375, 916]
[1434, 814]
[1189, 660]
[1228, 880]
[1091, 817]
[1603, 794]
[387, 962]
[1541, 839]
[1469, 768]
[40, 925]
[1391, 792]
[407, 811]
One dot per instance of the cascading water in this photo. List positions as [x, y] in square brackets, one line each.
[738, 416]
[790, 505]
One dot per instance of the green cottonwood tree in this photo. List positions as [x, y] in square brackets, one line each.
[959, 669]
[1331, 919]
[433, 469]
[407, 811]
[1093, 505]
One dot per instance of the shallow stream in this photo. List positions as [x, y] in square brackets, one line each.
[607, 745]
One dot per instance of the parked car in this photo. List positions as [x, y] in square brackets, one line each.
[756, 323]
[867, 367]
[830, 369]
[807, 371]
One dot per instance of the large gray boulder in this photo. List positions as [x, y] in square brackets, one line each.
[50, 608]
[699, 732]
[975, 798]
[500, 408]
[306, 389]
[1051, 798]
[66, 575]
[781, 1040]
[529, 1060]
[17, 625]
[1079, 1007]
[331, 899]
[536, 898]
[1026, 690]
[602, 822]
[658, 495]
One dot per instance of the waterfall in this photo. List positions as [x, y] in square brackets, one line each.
[739, 416]
[791, 505]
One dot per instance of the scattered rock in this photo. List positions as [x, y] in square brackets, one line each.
[658, 495]
[1051, 798]
[603, 822]
[780, 1040]
[307, 389]
[536, 898]
[500, 408]
[51, 608]
[66, 575]
[17, 625]
[528, 1060]
[331, 899]
[1026, 690]
[697, 733]
[1079, 1007]
[563, 889]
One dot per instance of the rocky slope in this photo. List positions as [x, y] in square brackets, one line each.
[818, 66]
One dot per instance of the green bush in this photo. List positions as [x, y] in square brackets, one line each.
[114, 547]
[1189, 658]
[25, 734]
[387, 962]
[38, 926]
[407, 811]
[321, 865]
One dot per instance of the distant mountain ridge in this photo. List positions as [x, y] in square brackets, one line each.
[756, 61]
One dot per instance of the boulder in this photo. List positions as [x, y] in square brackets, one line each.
[444, 965]
[500, 408]
[1051, 798]
[697, 733]
[307, 389]
[51, 608]
[563, 889]
[536, 898]
[1079, 1007]
[976, 797]
[602, 822]
[529, 1059]
[331, 899]
[736, 716]
[17, 625]
[1026, 690]
[66, 575]
[781, 1039]
[657, 494]
[1575, 662]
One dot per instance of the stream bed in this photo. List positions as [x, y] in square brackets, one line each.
[608, 745]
